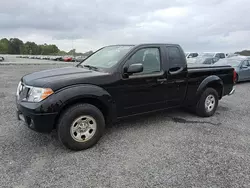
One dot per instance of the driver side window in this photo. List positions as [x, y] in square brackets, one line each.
[149, 58]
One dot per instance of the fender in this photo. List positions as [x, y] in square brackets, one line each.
[84, 91]
[56, 102]
[209, 80]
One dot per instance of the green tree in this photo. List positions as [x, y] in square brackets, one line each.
[49, 49]
[15, 46]
[244, 52]
[4, 46]
[61, 53]
[31, 48]
[72, 52]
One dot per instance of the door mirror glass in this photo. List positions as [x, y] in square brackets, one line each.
[135, 68]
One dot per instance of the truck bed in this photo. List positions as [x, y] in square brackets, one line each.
[200, 73]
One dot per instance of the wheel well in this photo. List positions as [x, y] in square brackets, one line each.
[95, 102]
[218, 87]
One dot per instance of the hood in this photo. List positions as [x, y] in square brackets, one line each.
[62, 77]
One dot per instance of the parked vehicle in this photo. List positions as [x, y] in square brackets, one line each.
[241, 65]
[56, 58]
[203, 60]
[191, 54]
[80, 58]
[219, 55]
[67, 59]
[117, 82]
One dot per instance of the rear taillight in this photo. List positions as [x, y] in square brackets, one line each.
[234, 76]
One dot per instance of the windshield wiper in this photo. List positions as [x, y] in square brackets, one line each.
[91, 67]
[79, 65]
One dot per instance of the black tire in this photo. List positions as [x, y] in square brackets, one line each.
[200, 107]
[69, 116]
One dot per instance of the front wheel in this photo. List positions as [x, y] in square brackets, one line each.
[208, 103]
[80, 126]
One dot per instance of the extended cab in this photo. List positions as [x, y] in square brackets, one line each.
[116, 82]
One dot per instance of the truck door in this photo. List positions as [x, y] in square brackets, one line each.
[145, 91]
[177, 76]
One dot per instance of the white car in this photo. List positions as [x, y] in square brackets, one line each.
[219, 55]
[191, 54]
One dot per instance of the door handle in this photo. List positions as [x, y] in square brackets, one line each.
[161, 80]
[179, 69]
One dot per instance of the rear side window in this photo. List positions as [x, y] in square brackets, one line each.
[222, 55]
[175, 58]
[195, 54]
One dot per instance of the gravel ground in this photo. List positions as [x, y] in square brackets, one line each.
[167, 149]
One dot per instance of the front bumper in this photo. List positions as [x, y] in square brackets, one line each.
[40, 122]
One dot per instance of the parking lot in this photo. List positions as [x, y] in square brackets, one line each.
[166, 149]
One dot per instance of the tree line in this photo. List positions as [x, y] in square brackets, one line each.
[244, 52]
[17, 46]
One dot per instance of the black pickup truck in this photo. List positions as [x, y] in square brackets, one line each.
[115, 82]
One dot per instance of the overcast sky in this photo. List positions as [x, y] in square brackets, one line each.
[198, 25]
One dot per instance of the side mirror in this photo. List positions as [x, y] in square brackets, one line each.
[134, 68]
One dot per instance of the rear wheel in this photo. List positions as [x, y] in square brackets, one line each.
[80, 126]
[208, 103]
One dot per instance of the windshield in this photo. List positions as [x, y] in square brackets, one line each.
[107, 56]
[207, 54]
[231, 62]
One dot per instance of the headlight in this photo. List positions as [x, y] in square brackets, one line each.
[37, 94]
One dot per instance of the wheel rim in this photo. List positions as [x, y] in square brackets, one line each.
[83, 128]
[210, 103]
